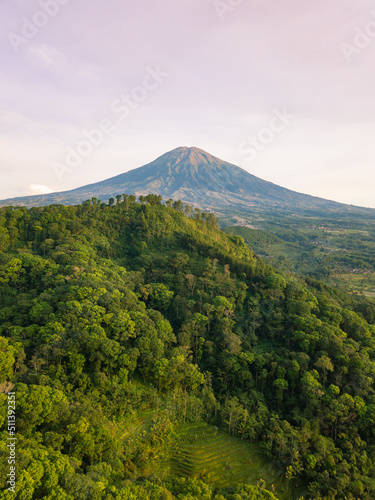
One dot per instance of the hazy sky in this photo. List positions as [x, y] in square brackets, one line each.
[283, 88]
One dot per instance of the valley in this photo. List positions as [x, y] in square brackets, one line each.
[338, 254]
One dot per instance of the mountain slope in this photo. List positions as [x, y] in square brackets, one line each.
[195, 177]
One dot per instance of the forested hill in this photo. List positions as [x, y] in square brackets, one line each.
[143, 345]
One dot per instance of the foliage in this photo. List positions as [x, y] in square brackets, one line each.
[108, 311]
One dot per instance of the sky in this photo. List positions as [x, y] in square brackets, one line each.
[284, 89]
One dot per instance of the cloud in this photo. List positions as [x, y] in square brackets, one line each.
[38, 189]
[47, 55]
[13, 121]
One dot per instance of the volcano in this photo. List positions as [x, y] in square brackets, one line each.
[197, 178]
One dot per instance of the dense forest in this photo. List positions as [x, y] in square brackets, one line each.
[126, 325]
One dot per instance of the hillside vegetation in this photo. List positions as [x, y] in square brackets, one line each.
[153, 356]
[340, 252]
[319, 238]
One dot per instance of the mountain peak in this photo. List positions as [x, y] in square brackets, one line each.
[193, 155]
[194, 176]
[186, 150]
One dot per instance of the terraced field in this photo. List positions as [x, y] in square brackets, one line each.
[204, 452]
[131, 428]
[359, 283]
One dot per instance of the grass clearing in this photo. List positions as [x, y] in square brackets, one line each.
[202, 451]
